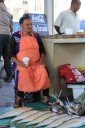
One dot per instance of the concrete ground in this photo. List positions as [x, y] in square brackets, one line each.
[6, 94]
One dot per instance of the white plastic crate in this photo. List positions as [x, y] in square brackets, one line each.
[77, 89]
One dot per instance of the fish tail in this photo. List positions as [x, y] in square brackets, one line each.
[17, 124]
[9, 122]
[24, 126]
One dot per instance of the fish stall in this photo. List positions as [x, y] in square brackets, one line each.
[61, 114]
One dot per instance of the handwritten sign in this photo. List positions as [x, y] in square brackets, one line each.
[39, 24]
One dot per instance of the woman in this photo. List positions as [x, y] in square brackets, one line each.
[33, 78]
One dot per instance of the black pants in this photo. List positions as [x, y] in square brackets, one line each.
[45, 93]
[4, 44]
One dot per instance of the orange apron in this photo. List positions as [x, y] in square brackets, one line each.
[34, 77]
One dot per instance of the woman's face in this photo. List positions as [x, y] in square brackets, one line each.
[27, 26]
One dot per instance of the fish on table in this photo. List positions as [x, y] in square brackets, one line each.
[24, 115]
[33, 116]
[71, 109]
[14, 112]
[57, 122]
[77, 122]
[41, 118]
[50, 120]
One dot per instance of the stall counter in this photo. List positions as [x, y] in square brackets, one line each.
[63, 49]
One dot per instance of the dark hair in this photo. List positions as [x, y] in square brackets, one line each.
[24, 17]
[2, 1]
[75, 1]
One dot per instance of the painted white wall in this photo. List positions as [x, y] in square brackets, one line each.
[59, 6]
[82, 10]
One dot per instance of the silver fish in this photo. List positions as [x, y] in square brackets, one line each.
[73, 123]
[78, 107]
[24, 115]
[55, 108]
[41, 118]
[14, 112]
[58, 101]
[50, 120]
[57, 122]
[71, 109]
[33, 116]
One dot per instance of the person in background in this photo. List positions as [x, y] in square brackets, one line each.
[34, 77]
[69, 18]
[5, 33]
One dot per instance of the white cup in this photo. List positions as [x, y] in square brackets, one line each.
[69, 31]
[26, 61]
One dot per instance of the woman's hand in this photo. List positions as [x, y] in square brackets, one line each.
[18, 62]
[21, 63]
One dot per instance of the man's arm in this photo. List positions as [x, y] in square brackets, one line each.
[57, 28]
[58, 23]
[11, 24]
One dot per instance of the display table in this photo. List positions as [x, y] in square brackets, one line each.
[7, 120]
[36, 106]
[63, 49]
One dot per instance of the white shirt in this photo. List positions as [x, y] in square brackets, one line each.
[68, 19]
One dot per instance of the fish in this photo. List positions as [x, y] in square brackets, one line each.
[58, 100]
[57, 122]
[78, 107]
[71, 109]
[81, 111]
[50, 120]
[41, 118]
[73, 123]
[33, 116]
[24, 115]
[14, 112]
